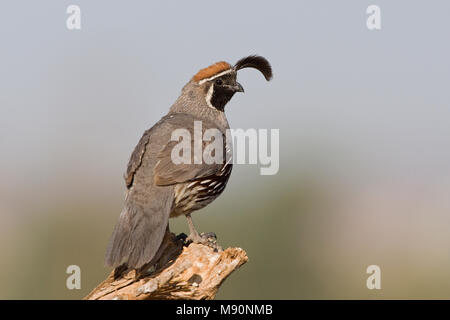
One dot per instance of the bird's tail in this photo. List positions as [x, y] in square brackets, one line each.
[136, 238]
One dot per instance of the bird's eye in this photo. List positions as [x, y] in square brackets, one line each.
[219, 82]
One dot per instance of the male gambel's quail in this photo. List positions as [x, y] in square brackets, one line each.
[159, 189]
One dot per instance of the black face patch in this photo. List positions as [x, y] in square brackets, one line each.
[220, 97]
[222, 93]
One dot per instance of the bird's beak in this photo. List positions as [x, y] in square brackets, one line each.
[238, 87]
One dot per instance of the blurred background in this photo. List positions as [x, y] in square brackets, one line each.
[364, 140]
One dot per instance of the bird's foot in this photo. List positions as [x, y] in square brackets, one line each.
[208, 239]
[181, 237]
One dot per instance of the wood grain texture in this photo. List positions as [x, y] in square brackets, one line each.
[188, 272]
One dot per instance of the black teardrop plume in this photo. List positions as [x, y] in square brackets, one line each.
[256, 62]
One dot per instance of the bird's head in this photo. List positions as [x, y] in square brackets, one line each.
[218, 82]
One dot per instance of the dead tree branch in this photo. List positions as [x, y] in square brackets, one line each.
[182, 272]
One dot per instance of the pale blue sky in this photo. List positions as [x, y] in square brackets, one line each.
[359, 102]
[364, 119]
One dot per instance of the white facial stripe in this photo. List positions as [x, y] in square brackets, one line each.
[215, 76]
[209, 96]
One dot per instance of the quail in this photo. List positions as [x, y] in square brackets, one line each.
[157, 187]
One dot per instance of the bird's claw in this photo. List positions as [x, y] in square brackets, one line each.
[181, 237]
[208, 239]
[209, 235]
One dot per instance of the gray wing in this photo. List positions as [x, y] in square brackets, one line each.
[150, 177]
[140, 149]
[166, 172]
[144, 218]
[136, 158]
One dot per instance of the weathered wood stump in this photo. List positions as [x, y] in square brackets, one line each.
[193, 271]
